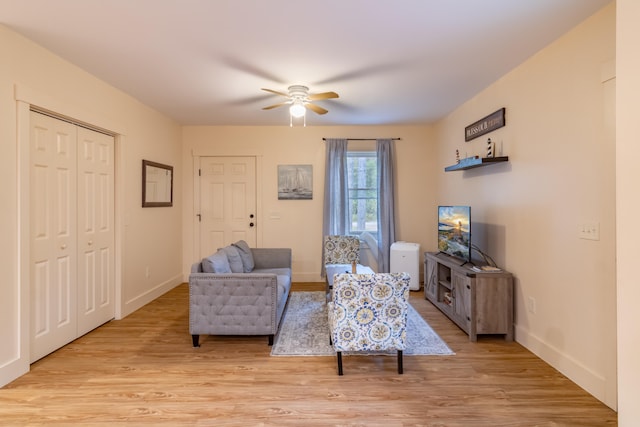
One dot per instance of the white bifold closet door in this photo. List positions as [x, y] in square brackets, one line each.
[72, 232]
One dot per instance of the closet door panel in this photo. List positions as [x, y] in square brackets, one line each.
[96, 281]
[53, 236]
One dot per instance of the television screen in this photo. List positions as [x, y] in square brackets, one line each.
[454, 231]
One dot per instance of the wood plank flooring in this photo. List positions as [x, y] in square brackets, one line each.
[143, 370]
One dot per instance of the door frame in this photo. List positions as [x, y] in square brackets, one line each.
[26, 98]
[196, 198]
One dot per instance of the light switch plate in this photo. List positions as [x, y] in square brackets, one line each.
[589, 230]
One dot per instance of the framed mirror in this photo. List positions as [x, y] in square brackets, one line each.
[157, 184]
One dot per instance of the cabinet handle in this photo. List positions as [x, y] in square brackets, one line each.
[468, 286]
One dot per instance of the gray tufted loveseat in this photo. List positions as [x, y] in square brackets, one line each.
[240, 303]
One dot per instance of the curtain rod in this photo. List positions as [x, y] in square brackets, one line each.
[365, 139]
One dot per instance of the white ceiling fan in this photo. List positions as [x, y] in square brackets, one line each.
[300, 99]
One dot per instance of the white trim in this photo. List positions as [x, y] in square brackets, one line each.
[20, 364]
[120, 223]
[195, 222]
[145, 298]
[23, 140]
[259, 220]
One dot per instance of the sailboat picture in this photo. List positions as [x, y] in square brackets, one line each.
[295, 182]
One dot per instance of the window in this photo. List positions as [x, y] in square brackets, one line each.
[359, 195]
[362, 184]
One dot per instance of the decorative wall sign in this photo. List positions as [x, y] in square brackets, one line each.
[295, 182]
[488, 124]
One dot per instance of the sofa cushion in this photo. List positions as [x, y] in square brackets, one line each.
[245, 254]
[277, 271]
[233, 255]
[216, 263]
[283, 280]
[283, 283]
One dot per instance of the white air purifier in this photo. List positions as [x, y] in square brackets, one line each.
[405, 257]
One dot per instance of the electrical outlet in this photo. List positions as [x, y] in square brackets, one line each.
[589, 230]
[531, 305]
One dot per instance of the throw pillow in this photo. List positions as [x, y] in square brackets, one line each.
[235, 262]
[245, 254]
[216, 263]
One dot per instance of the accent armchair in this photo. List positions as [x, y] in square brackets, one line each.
[341, 249]
[339, 252]
[368, 313]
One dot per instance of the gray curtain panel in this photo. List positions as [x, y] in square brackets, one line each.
[386, 196]
[336, 208]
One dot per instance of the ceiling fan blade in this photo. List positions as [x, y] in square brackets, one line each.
[276, 92]
[315, 108]
[275, 105]
[323, 95]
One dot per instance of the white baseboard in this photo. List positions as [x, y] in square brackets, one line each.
[143, 299]
[14, 369]
[592, 382]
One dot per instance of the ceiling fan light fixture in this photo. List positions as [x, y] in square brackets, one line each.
[297, 109]
[299, 100]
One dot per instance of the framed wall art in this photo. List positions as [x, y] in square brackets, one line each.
[157, 184]
[295, 182]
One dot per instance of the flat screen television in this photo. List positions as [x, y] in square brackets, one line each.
[454, 231]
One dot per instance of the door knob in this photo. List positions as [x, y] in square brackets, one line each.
[250, 224]
[251, 216]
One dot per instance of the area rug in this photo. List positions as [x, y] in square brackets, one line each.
[304, 330]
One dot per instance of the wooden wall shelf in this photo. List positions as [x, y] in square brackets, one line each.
[475, 162]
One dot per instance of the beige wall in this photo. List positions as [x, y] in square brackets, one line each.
[145, 237]
[299, 223]
[628, 206]
[560, 140]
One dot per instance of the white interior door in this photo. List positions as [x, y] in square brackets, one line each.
[72, 272]
[96, 281]
[53, 234]
[227, 202]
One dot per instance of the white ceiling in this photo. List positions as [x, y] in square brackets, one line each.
[203, 62]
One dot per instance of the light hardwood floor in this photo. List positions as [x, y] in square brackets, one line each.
[143, 370]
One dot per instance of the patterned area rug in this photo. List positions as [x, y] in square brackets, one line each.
[304, 330]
